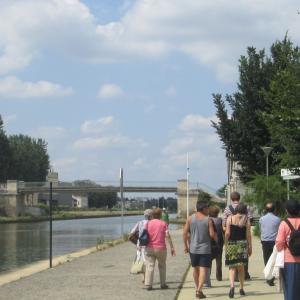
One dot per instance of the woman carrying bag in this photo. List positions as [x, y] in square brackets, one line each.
[138, 265]
[156, 249]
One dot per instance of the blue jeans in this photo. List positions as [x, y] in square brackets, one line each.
[291, 278]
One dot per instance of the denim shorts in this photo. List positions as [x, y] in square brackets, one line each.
[200, 260]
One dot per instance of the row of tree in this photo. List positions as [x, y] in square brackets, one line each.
[22, 157]
[264, 111]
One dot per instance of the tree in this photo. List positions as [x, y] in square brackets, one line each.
[248, 128]
[283, 118]
[102, 199]
[4, 153]
[263, 192]
[29, 158]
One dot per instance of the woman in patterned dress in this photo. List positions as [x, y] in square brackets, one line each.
[238, 245]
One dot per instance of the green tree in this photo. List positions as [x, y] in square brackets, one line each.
[102, 199]
[256, 102]
[5, 156]
[283, 117]
[262, 191]
[29, 158]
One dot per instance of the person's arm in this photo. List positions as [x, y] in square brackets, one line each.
[186, 235]
[173, 253]
[212, 231]
[226, 214]
[227, 230]
[249, 238]
[281, 237]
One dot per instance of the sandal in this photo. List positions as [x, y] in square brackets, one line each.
[200, 295]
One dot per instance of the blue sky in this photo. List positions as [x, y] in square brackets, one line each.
[124, 83]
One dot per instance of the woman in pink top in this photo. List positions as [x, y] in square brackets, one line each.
[157, 249]
[291, 270]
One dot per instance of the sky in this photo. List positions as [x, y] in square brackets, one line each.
[129, 83]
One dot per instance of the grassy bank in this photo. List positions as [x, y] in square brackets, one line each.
[69, 215]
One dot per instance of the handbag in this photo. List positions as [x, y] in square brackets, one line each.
[138, 264]
[133, 237]
[144, 238]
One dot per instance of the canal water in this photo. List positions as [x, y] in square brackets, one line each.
[24, 243]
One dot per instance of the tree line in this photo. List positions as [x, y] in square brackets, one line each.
[264, 111]
[22, 157]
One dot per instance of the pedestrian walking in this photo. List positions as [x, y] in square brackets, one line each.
[238, 246]
[137, 230]
[156, 249]
[268, 224]
[229, 211]
[165, 216]
[197, 234]
[217, 247]
[288, 239]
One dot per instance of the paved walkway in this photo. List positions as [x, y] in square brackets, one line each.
[100, 275]
[256, 289]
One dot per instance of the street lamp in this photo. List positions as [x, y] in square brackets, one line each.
[267, 151]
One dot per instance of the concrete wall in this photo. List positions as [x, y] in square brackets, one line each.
[181, 199]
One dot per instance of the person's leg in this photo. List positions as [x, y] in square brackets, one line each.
[291, 278]
[267, 252]
[202, 275]
[161, 256]
[150, 264]
[219, 266]
[241, 276]
[196, 272]
[232, 272]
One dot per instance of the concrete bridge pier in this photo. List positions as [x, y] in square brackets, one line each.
[182, 196]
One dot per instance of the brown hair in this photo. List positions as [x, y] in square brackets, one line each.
[214, 211]
[156, 213]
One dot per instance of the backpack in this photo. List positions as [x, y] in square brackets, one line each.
[294, 242]
[231, 209]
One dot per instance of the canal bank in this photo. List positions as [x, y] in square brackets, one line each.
[100, 275]
[68, 215]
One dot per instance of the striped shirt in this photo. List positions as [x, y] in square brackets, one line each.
[227, 212]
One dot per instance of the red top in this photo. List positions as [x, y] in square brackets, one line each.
[282, 239]
[157, 234]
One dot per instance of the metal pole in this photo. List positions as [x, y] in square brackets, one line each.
[267, 170]
[50, 220]
[187, 186]
[122, 202]
[288, 189]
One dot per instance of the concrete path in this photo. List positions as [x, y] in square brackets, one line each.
[100, 275]
[256, 289]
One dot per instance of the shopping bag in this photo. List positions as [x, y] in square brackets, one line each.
[138, 264]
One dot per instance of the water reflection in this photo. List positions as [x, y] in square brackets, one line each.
[24, 243]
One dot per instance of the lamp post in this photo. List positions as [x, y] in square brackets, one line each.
[267, 151]
[187, 185]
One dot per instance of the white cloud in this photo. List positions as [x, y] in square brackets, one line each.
[214, 33]
[49, 132]
[195, 136]
[100, 125]
[103, 142]
[192, 123]
[64, 163]
[109, 91]
[12, 87]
